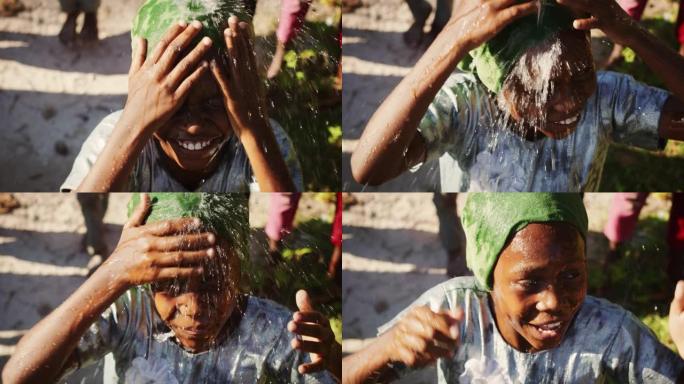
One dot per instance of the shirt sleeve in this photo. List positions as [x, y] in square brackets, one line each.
[104, 335]
[636, 356]
[631, 110]
[289, 156]
[90, 151]
[448, 119]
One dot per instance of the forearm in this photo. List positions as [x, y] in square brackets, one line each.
[266, 159]
[113, 167]
[387, 146]
[369, 363]
[663, 61]
[41, 354]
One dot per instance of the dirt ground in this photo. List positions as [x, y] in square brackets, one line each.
[42, 260]
[375, 59]
[392, 254]
[51, 97]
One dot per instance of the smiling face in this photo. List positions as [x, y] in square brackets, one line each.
[540, 281]
[548, 87]
[197, 309]
[192, 138]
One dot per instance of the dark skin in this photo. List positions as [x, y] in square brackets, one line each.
[539, 284]
[391, 144]
[191, 108]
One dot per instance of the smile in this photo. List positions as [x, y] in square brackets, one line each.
[549, 330]
[570, 120]
[194, 145]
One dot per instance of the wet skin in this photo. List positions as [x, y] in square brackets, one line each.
[572, 83]
[197, 309]
[540, 282]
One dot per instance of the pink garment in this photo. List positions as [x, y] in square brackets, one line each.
[635, 9]
[292, 13]
[281, 213]
[623, 216]
[336, 235]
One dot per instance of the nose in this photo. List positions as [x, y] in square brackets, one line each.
[548, 300]
[191, 305]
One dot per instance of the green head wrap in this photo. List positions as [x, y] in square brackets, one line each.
[156, 16]
[493, 60]
[224, 214]
[491, 219]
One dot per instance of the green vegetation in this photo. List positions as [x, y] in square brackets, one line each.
[631, 169]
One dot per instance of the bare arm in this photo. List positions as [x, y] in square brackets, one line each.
[370, 362]
[390, 143]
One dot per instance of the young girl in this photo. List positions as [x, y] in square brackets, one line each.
[534, 116]
[167, 308]
[195, 117]
[525, 316]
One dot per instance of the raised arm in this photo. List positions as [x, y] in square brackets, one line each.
[390, 144]
[145, 253]
[157, 86]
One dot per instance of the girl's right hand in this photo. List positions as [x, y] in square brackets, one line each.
[423, 336]
[475, 22]
[164, 250]
[159, 84]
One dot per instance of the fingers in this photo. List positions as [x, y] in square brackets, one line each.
[174, 49]
[140, 213]
[518, 11]
[310, 346]
[178, 273]
[183, 258]
[169, 36]
[310, 317]
[586, 24]
[311, 330]
[138, 56]
[189, 242]
[189, 62]
[303, 301]
[172, 227]
[315, 366]
[219, 73]
[677, 305]
[184, 88]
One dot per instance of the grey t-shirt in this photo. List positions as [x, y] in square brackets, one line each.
[233, 174]
[142, 349]
[462, 129]
[604, 343]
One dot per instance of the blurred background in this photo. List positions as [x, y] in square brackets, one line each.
[376, 57]
[396, 247]
[52, 95]
[45, 254]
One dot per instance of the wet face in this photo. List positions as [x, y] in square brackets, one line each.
[549, 86]
[540, 282]
[197, 309]
[192, 138]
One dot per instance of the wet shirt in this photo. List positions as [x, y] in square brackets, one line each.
[461, 127]
[233, 174]
[142, 349]
[605, 343]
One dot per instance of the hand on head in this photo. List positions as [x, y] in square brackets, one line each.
[317, 338]
[676, 318]
[160, 251]
[423, 336]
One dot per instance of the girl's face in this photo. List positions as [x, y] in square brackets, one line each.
[197, 309]
[192, 138]
[549, 86]
[540, 282]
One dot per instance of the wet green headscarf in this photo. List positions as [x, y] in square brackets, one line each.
[156, 16]
[493, 60]
[491, 219]
[225, 214]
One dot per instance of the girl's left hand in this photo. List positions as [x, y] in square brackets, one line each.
[605, 15]
[238, 80]
[317, 338]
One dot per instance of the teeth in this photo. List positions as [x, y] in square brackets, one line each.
[569, 120]
[550, 326]
[194, 145]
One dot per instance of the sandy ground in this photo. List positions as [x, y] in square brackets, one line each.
[375, 59]
[52, 97]
[42, 262]
[392, 254]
